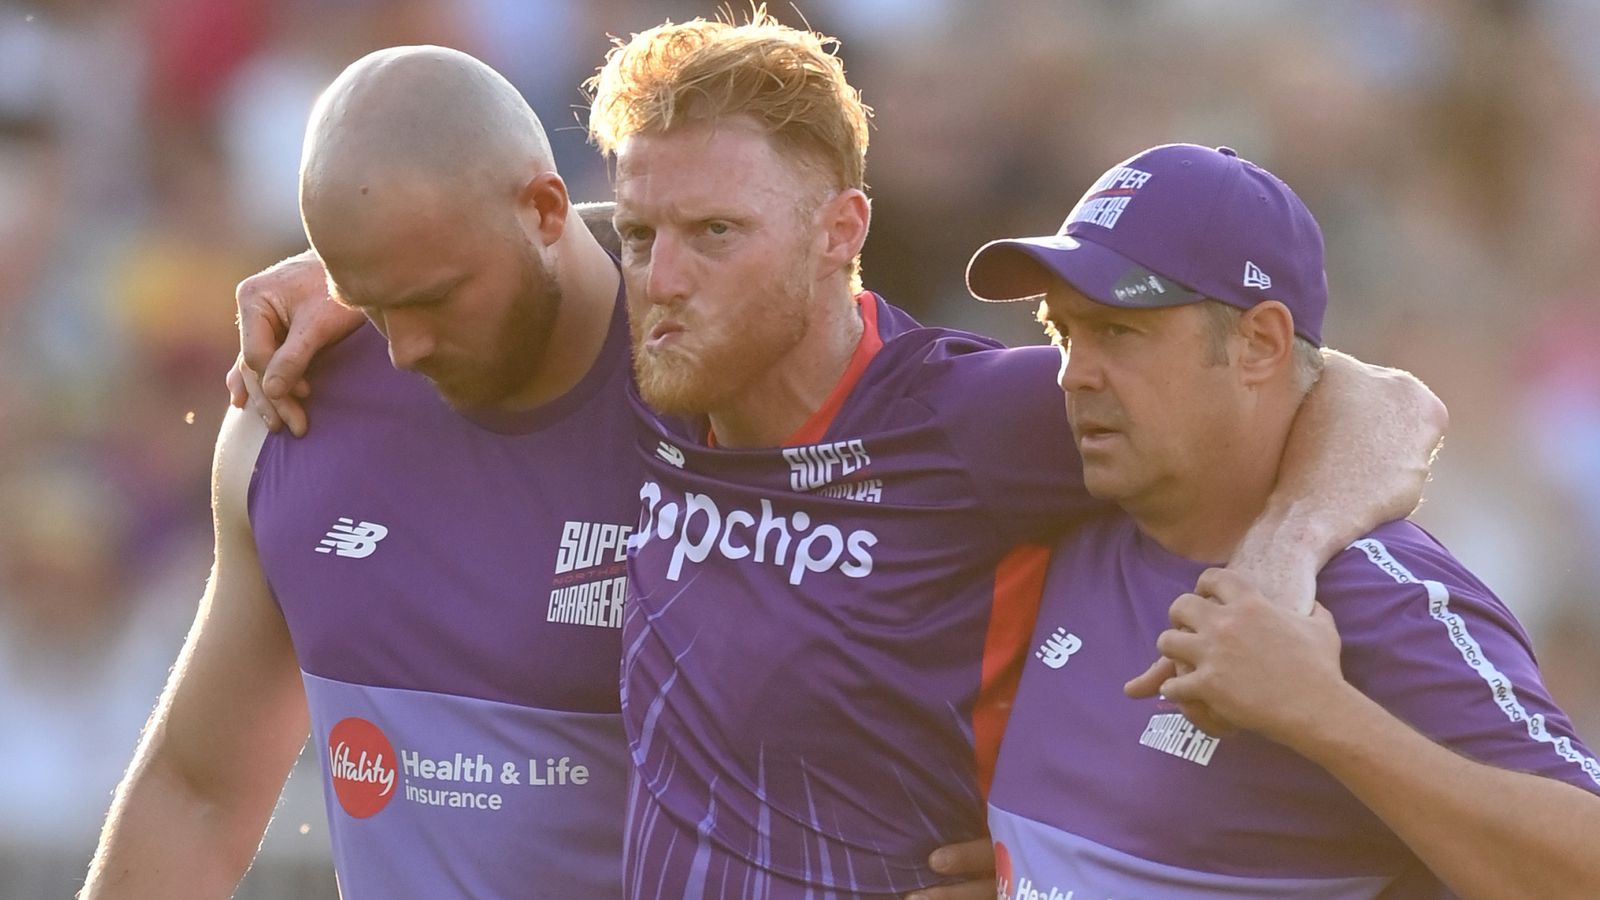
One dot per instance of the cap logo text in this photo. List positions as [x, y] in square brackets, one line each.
[1104, 202]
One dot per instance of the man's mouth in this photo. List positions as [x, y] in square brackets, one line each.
[662, 332]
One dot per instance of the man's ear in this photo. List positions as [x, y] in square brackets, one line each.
[1266, 341]
[844, 220]
[542, 207]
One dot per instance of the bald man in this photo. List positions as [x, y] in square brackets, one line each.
[429, 585]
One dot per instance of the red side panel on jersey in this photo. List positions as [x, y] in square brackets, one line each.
[1018, 585]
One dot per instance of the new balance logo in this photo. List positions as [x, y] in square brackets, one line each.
[354, 539]
[672, 455]
[1254, 277]
[1058, 648]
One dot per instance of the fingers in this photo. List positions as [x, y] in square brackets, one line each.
[260, 328]
[287, 367]
[1192, 611]
[1148, 683]
[293, 414]
[1206, 719]
[284, 377]
[237, 395]
[1185, 691]
[284, 411]
[972, 860]
[256, 402]
[1224, 585]
[1182, 648]
[974, 857]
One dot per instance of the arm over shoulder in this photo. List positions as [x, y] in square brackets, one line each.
[1003, 411]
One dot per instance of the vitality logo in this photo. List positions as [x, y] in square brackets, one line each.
[361, 767]
[1004, 874]
[1008, 885]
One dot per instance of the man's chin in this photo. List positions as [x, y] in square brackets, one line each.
[467, 397]
[1103, 484]
[670, 385]
[674, 399]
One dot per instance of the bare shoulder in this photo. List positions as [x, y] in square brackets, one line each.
[239, 444]
[597, 216]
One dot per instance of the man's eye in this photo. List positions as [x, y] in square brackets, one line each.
[717, 228]
[635, 234]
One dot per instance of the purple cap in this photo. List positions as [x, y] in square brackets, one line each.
[1175, 224]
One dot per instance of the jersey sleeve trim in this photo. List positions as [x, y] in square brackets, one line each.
[1500, 687]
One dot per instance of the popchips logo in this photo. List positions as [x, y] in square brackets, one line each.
[361, 766]
[698, 528]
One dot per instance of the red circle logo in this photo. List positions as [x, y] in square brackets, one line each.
[1002, 871]
[361, 765]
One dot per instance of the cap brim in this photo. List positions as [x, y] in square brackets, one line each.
[1023, 269]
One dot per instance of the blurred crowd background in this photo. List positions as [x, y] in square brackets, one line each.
[148, 153]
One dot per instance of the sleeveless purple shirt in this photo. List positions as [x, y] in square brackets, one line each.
[453, 587]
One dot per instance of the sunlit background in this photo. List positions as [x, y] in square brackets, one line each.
[148, 151]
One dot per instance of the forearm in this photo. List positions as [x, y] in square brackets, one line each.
[1357, 456]
[1486, 832]
[165, 838]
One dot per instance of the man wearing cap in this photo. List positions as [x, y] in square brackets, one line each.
[1186, 291]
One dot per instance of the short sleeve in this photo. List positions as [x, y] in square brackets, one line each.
[1005, 414]
[1434, 646]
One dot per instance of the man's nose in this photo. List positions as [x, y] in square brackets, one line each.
[410, 340]
[668, 277]
[1080, 370]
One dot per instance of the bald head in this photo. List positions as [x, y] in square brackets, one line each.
[412, 121]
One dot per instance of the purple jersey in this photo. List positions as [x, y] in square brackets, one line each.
[453, 588]
[1098, 795]
[809, 626]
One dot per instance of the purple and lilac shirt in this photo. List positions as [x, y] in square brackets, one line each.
[1097, 795]
[809, 627]
[453, 588]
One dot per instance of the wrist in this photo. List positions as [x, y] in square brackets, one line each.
[1331, 727]
[1290, 532]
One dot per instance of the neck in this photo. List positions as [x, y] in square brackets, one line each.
[1204, 516]
[777, 404]
[588, 279]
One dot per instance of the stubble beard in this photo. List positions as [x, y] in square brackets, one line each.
[755, 337]
[523, 342]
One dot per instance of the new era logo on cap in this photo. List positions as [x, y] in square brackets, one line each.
[1254, 277]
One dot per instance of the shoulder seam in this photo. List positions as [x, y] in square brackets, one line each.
[1501, 689]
